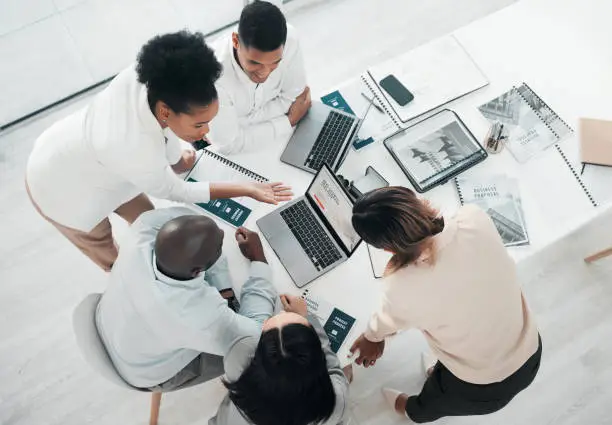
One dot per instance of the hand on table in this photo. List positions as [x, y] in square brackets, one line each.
[369, 351]
[186, 163]
[299, 107]
[293, 304]
[250, 245]
[271, 193]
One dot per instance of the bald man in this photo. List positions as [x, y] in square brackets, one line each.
[163, 320]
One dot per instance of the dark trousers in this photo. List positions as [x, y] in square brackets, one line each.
[446, 395]
[201, 369]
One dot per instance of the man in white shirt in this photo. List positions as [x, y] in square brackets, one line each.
[262, 91]
[162, 319]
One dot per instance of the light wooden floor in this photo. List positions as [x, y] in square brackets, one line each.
[43, 380]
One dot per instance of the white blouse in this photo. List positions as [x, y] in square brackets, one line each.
[86, 165]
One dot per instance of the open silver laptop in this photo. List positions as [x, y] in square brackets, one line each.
[313, 233]
[323, 136]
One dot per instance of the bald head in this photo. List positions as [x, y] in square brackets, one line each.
[187, 245]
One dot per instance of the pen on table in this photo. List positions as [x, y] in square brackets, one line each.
[373, 103]
[500, 134]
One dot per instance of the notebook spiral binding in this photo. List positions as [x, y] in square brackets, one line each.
[380, 101]
[565, 158]
[459, 192]
[534, 94]
[235, 166]
[309, 301]
[586, 191]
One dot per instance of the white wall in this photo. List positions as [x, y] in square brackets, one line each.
[50, 49]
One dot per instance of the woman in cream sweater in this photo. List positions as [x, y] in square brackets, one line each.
[452, 279]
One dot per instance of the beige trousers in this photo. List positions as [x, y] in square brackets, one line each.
[98, 244]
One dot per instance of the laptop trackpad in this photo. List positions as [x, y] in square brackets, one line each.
[294, 258]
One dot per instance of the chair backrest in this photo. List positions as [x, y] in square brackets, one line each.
[89, 342]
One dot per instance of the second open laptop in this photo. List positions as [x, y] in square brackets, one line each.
[323, 136]
[313, 233]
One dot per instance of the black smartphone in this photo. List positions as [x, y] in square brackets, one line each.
[396, 90]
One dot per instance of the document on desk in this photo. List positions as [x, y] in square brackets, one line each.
[211, 167]
[336, 323]
[498, 195]
[435, 73]
[532, 125]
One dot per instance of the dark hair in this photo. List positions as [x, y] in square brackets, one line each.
[179, 69]
[287, 382]
[262, 26]
[393, 218]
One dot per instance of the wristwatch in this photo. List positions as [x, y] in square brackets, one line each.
[232, 302]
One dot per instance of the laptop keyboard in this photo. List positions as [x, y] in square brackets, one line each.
[329, 141]
[310, 234]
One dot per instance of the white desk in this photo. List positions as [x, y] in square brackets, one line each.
[559, 47]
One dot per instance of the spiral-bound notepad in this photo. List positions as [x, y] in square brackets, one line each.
[212, 167]
[436, 73]
[533, 126]
[373, 88]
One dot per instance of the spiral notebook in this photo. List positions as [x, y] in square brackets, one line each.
[533, 127]
[213, 167]
[497, 195]
[436, 73]
[337, 324]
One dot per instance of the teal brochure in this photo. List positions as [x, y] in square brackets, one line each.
[226, 209]
[335, 100]
[337, 328]
[336, 323]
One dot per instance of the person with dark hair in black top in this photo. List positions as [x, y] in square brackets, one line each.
[290, 376]
[106, 156]
[262, 91]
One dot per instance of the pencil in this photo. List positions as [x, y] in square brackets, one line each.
[373, 103]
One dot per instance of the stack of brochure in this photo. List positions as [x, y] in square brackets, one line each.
[499, 196]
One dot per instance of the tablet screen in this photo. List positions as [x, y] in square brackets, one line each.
[435, 149]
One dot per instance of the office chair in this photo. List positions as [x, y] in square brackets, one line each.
[94, 352]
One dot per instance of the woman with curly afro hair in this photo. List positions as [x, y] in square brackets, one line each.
[105, 157]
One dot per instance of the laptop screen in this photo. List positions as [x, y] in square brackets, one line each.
[333, 202]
